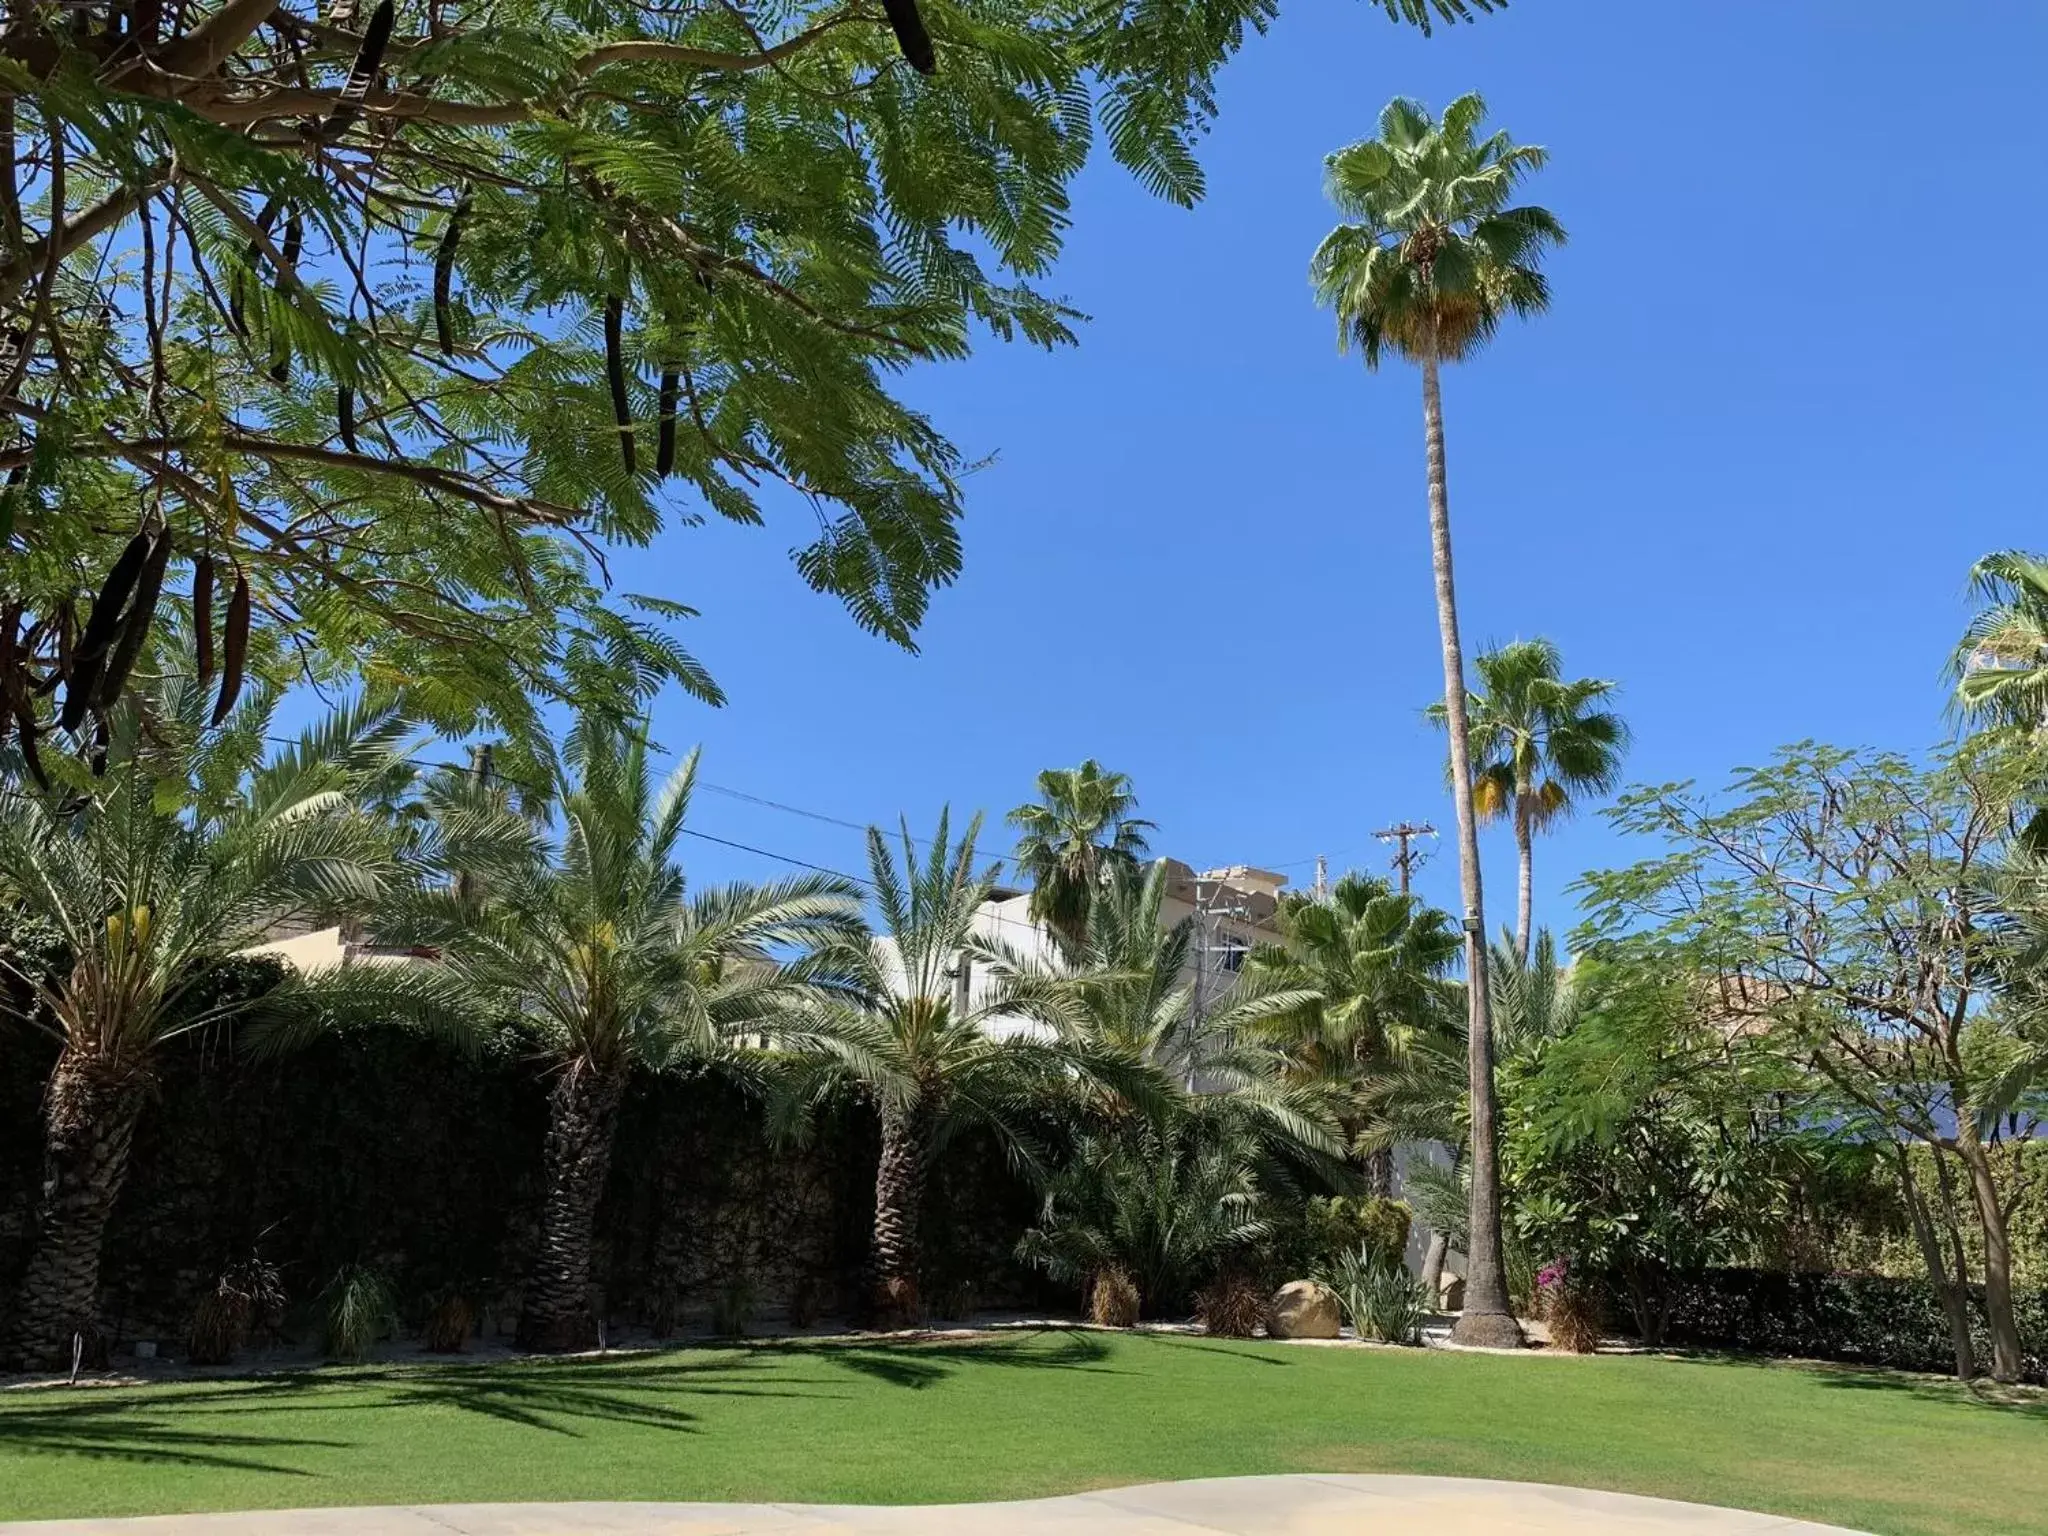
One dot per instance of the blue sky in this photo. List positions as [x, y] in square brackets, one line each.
[1791, 386]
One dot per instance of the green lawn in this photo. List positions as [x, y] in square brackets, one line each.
[1027, 1415]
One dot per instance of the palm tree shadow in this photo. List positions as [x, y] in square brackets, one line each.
[115, 1431]
[915, 1364]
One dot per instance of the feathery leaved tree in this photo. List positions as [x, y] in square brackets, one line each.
[1077, 834]
[1537, 741]
[931, 1056]
[396, 315]
[589, 943]
[195, 846]
[1433, 255]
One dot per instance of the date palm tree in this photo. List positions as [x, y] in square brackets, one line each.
[1537, 742]
[1371, 967]
[1433, 256]
[1079, 832]
[192, 848]
[590, 943]
[933, 1056]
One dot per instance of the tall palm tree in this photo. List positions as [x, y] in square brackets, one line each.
[1433, 256]
[2001, 664]
[1372, 967]
[931, 1060]
[1424, 1097]
[1078, 832]
[590, 942]
[192, 848]
[1537, 741]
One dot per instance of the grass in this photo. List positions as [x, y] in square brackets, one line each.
[1026, 1415]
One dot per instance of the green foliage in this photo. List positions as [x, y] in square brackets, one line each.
[1435, 255]
[1382, 1300]
[1079, 834]
[355, 1310]
[1331, 1226]
[1870, 1319]
[1646, 1143]
[375, 379]
[1168, 1210]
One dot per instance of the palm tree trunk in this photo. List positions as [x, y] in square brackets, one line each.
[899, 1205]
[1439, 1248]
[89, 1123]
[1486, 1320]
[583, 1118]
[1525, 883]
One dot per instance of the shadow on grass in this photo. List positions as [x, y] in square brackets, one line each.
[193, 1424]
[1840, 1376]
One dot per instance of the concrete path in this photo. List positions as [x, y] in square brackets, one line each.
[1238, 1506]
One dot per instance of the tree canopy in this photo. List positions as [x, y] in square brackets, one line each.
[401, 318]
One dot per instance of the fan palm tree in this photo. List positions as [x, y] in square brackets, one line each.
[1537, 741]
[1371, 967]
[932, 1057]
[193, 847]
[1078, 832]
[2001, 665]
[591, 944]
[1434, 255]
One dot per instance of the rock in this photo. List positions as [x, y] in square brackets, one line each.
[1303, 1309]
[1450, 1293]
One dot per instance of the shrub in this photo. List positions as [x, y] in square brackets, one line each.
[732, 1309]
[356, 1310]
[1113, 1299]
[1867, 1319]
[1232, 1306]
[803, 1302]
[244, 1295]
[1382, 1300]
[1571, 1305]
[450, 1321]
[1323, 1229]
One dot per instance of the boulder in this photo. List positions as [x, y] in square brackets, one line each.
[1303, 1309]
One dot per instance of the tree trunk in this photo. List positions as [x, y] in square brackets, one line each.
[1955, 1304]
[89, 1118]
[1525, 882]
[899, 1205]
[2005, 1334]
[1487, 1319]
[583, 1117]
[1379, 1172]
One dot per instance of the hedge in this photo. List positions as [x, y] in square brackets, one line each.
[1866, 1319]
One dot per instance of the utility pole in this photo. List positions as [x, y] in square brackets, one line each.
[1406, 860]
[1322, 877]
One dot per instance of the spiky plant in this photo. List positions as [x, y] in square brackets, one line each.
[194, 846]
[1369, 967]
[931, 1056]
[581, 932]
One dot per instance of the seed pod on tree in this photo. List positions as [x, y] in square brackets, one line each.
[615, 374]
[107, 608]
[345, 416]
[135, 632]
[202, 617]
[911, 36]
[234, 649]
[665, 439]
[444, 276]
[362, 73]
